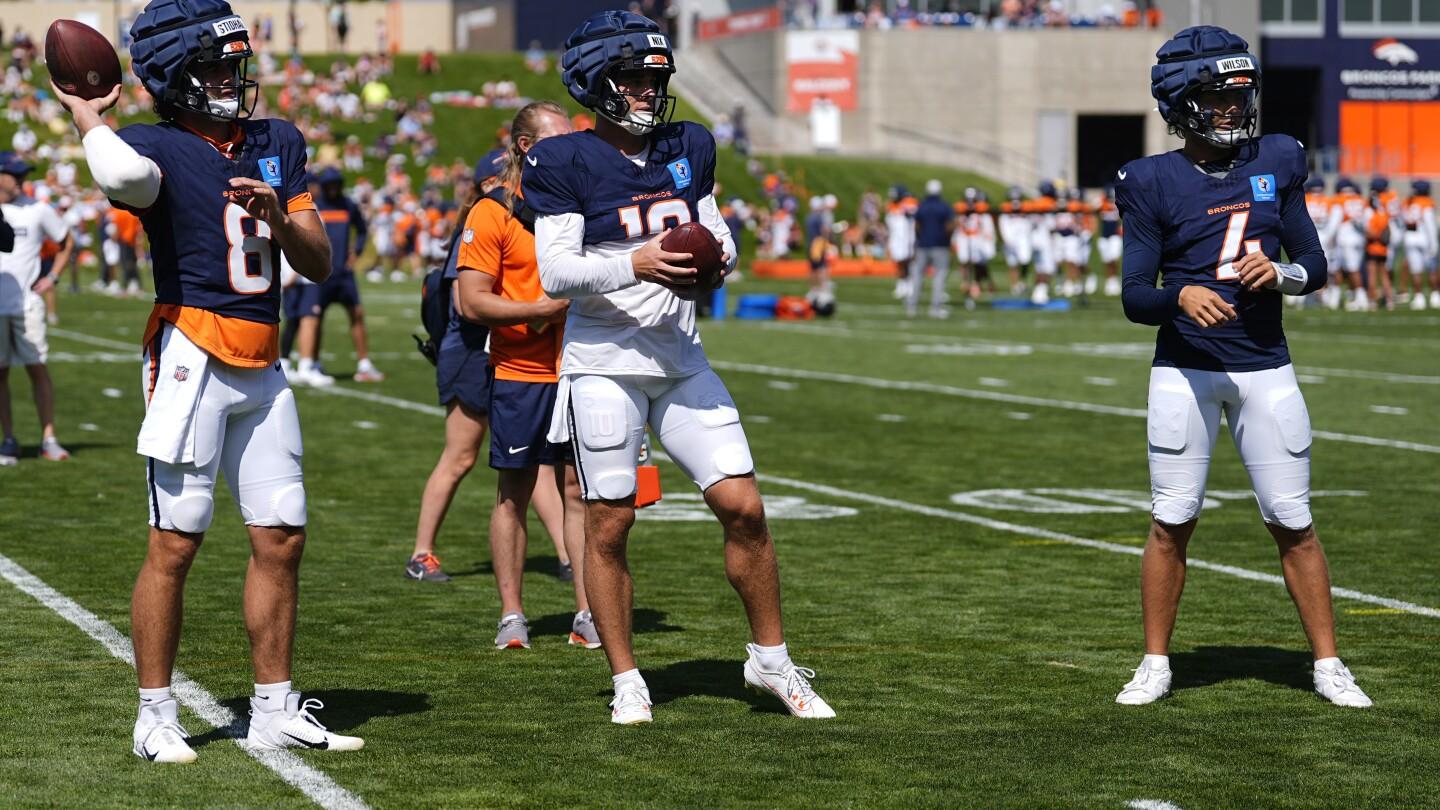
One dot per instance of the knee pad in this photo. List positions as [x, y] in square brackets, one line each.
[1291, 512]
[191, 513]
[615, 485]
[282, 506]
[1173, 509]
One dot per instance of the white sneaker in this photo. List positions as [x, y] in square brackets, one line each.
[902, 290]
[631, 707]
[792, 687]
[50, 450]
[1091, 284]
[397, 276]
[311, 377]
[1335, 683]
[369, 375]
[1148, 686]
[1417, 301]
[375, 276]
[1112, 286]
[1435, 299]
[1041, 295]
[158, 734]
[294, 726]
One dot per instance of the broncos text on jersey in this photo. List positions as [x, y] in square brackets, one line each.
[580, 173]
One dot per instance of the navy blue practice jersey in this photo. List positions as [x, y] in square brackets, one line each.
[1187, 228]
[208, 252]
[342, 219]
[579, 173]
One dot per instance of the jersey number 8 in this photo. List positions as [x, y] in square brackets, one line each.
[248, 259]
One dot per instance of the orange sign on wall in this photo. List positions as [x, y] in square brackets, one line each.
[823, 64]
[1389, 137]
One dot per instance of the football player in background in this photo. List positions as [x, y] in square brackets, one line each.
[1385, 199]
[1326, 218]
[604, 200]
[346, 227]
[1418, 216]
[1111, 241]
[1042, 240]
[220, 197]
[1209, 221]
[23, 285]
[900, 237]
[1015, 229]
[1350, 243]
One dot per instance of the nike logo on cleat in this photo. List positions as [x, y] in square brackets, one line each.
[149, 755]
[322, 745]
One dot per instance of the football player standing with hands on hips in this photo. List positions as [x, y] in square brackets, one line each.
[1210, 220]
[220, 196]
[604, 199]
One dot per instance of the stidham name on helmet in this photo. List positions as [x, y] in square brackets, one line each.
[179, 49]
[610, 43]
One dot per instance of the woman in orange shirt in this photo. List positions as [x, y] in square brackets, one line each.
[1377, 249]
[499, 285]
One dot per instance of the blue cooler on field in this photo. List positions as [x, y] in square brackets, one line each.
[718, 302]
[757, 307]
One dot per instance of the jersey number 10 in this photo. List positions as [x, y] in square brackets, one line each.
[662, 215]
[1230, 250]
[248, 259]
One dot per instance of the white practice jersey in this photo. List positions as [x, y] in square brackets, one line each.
[33, 222]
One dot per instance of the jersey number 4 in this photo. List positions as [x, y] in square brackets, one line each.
[248, 259]
[1230, 250]
[662, 215]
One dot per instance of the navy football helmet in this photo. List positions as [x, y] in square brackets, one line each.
[1420, 188]
[614, 42]
[1047, 189]
[1346, 183]
[1379, 183]
[1315, 185]
[180, 50]
[1207, 58]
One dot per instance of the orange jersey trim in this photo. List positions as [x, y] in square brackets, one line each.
[232, 341]
[300, 202]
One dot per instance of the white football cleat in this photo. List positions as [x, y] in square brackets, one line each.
[1112, 286]
[1335, 683]
[631, 707]
[159, 736]
[1148, 686]
[294, 726]
[792, 687]
[1417, 301]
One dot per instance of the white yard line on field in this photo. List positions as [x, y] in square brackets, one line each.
[320, 788]
[1083, 349]
[1151, 804]
[1020, 399]
[961, 517]
[104, 343]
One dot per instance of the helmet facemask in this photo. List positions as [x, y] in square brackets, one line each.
[228, 99]
[1215, 122]
[621, 107]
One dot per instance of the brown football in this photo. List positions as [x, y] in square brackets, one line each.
[81, 61]
[706, 255]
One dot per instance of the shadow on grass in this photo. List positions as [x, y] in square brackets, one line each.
[1205, 666]
[710, 677]
[345, 709]
[646, 620]
[542, 564]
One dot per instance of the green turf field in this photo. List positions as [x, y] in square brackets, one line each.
[970, 641]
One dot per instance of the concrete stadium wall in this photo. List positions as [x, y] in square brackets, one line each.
[414, 25]
[973, 99]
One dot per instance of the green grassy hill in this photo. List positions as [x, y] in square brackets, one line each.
[467, 133]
